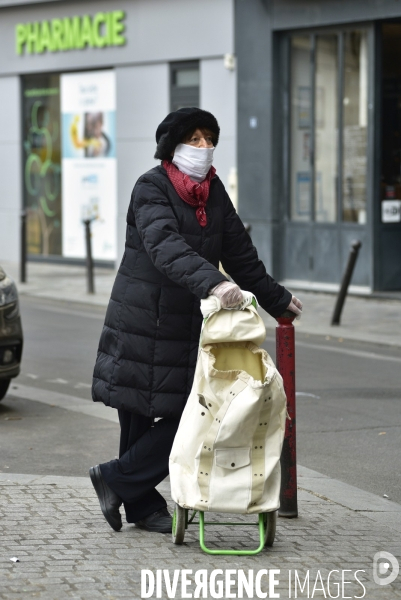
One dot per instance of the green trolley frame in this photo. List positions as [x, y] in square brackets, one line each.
[266, 527]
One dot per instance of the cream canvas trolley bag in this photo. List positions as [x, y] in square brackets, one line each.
[226, 453]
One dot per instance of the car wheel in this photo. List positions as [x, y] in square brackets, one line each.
[4, 383]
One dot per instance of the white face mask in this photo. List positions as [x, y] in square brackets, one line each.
[193, 161]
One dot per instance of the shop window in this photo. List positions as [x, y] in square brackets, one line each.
[184, 84]
[328, 126]
[355, 126]
[69, 163]
[391, 123]
[42, 163]
[300, 128]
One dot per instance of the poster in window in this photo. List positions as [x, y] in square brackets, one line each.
[41, 163]
[303, 193]
[88, 105]
[304, 107]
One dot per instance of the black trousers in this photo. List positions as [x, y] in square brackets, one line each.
[144, 452]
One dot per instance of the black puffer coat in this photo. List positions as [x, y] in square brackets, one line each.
[148, 346]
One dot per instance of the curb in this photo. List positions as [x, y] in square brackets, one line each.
[375, 508]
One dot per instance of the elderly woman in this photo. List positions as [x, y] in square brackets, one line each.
[180, 224]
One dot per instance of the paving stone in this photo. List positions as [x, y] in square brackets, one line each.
[68, 551]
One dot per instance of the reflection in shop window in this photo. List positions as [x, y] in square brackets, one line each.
[326, 128]
[184, 84]
[355, 124]
[300, 132]
[41, 156]
[187, 78]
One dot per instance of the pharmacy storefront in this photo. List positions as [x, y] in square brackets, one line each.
[83, 89]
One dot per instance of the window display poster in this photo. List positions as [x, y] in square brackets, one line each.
[303, 193]
[304, 107]
[41, 163]
[89, 170]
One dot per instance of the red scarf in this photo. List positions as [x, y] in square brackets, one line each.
[193, 193]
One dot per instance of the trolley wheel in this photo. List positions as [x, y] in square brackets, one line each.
[178, 526]
[270, 521]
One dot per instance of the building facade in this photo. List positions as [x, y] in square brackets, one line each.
[83, 86]
[319, 130]
[307, 93]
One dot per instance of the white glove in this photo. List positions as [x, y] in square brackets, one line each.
[228, 293]
[295, 306]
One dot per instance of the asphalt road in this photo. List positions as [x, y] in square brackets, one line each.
[348, 403]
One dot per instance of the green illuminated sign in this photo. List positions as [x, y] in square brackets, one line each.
[71, 33]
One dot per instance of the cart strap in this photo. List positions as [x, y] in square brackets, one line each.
[207, 452]
[259, 451]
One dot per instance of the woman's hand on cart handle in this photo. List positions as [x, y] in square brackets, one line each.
[229, 294]
[295, 306]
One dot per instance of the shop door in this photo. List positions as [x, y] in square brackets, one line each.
[388, 230]
[327, 142]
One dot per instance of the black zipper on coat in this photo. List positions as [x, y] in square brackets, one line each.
[158, 308]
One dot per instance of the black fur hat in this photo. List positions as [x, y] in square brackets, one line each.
[178, 124]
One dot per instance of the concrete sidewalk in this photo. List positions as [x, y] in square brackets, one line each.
[373, 320]
[65, 548]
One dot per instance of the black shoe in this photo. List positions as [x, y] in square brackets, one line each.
[109, 501]
[159, 521]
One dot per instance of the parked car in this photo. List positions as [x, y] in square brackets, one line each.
[11, 339]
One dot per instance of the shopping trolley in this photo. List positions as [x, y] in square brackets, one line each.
[226, 453]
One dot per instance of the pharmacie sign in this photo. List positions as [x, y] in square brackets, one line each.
[71, 33]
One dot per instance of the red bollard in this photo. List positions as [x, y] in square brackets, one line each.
[285, 360]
